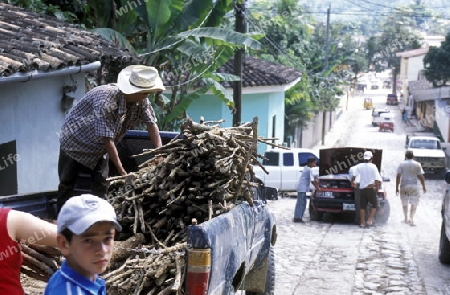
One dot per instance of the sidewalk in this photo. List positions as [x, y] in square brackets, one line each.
[412, 124]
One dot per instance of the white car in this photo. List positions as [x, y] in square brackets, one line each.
[428, 151]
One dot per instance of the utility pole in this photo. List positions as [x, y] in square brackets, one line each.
[239, 9]
[327, 53]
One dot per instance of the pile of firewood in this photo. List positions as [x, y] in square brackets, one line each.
[40, 262]
[203, 173]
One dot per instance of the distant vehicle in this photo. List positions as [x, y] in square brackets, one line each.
[336, 194]
[374, 84]
[386, 122]
[428, 151]
[392, 99]
[377, 116]
[361, 87]
[368, 103]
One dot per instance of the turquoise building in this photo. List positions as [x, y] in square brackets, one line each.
[263, 95]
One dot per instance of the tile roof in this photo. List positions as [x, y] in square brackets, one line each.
[255, 72]
[31, 41]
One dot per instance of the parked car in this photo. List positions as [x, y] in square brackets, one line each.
[428, 152]
[377, 116]
[283, 168]
[336, 195]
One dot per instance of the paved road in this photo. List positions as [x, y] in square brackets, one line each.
[334, 256]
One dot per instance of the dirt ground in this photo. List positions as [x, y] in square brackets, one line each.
[32, 286]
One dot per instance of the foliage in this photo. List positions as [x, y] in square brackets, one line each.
[177, 38]
[41, 6]
[437, 63]
[398, 34]
[294, 38]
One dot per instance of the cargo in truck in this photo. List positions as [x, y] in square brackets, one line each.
[227, 247]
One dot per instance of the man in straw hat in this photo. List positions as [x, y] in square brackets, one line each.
[94, 126]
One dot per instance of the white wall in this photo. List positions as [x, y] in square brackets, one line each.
[414, 67]
[30, 114]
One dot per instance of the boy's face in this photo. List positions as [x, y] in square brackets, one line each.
[90, 252]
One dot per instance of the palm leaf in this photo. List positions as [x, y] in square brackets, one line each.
[182, 106]
[218, 90]
[194, 14]
[116, 37]
[221, 7]
[224, 35]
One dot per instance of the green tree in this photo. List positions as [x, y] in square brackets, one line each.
[399, 33]
[294, 38]
[437, 63]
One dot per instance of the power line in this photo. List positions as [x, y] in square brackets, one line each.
[361, 13]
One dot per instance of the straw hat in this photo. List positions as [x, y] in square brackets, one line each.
[139, 78]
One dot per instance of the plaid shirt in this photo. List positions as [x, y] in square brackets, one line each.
[102, 112]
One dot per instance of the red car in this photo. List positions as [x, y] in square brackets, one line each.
[336, 195]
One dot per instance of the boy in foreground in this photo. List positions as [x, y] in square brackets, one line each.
[86, 227]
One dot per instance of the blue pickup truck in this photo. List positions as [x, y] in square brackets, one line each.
[230, 252]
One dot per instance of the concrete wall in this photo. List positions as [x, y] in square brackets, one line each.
[311, 135]
[442, 119]
[30, 114]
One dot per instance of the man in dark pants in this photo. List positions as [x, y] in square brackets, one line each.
[303, 186]
[369, 183]
[351, 172]
[94, 126]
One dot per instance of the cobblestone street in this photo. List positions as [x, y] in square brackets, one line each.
[334, 256]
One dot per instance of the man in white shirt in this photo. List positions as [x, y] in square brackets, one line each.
[369, 183]
[407, 173]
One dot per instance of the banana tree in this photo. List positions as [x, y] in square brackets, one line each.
[182, 39]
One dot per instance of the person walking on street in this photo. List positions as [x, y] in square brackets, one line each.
[369, 183]
[406, 184]
[306, 178]
[404, 116]
[94, 126]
